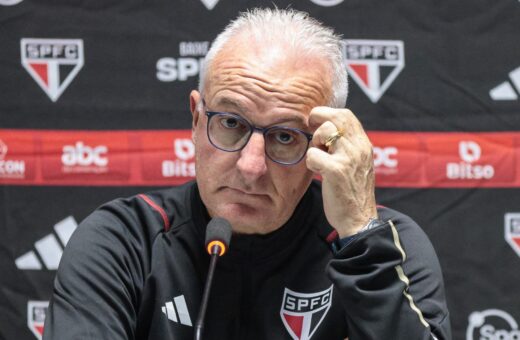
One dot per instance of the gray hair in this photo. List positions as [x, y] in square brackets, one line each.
[294, 28]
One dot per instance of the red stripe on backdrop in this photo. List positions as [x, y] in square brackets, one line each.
[163, 158]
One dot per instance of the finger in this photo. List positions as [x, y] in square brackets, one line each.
[321, 114]
[357, 148]
[320, 136]
[354, 136]
[318, 160]
[324, 163]
[343, 119]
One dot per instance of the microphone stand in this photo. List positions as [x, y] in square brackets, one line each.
[199, 325]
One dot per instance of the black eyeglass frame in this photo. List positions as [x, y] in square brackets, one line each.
[252, 129]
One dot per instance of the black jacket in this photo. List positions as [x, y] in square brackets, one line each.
[136, 267]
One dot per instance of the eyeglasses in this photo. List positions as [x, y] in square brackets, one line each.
[230, 132]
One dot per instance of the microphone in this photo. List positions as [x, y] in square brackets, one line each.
[218, 235]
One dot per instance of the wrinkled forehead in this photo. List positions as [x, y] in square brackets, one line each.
[272, 60]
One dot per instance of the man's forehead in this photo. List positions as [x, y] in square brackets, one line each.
[230, 102]
[264, 53]
[269, 75]
[271, 72]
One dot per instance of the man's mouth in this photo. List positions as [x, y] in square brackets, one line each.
[246, 193]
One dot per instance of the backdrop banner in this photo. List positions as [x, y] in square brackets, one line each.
[94, 105]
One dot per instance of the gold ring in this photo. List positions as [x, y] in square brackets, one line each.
[332, 138]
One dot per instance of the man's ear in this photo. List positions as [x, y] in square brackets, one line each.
[194, 100]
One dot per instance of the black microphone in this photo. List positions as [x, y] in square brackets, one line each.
[218, 235]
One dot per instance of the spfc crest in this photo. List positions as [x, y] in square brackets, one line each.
[210, 3]
[374, 64]
[9, 2]
[302, 313]
[36, 311]
[512, 230]
[53, 63]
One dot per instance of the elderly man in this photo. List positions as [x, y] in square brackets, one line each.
[307, 260]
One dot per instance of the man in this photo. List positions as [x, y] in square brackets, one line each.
[306, 261]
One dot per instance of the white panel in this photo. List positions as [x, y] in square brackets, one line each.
[65, 228]
[182, 309]
[28, 261]
[170, 311]
[515, 78]
[50, 251]
[503, 91]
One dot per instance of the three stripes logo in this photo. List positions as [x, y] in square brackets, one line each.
[48, 249]
[506, 90]
[177, 311]
[53, 63]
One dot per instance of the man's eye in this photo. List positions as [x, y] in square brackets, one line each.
[230, 123]
[284, 137]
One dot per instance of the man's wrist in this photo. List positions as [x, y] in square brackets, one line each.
[372, 223]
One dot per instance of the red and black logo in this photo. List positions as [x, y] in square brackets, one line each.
[302, 313]
[36, 311]
[53, 63]
[374, 64]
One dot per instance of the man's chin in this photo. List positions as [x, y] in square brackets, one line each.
[247, 219]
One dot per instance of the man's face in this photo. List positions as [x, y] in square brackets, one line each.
[266, 86]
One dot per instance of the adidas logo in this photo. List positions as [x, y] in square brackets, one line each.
[48, 249]
[505, 91]
[178, 304]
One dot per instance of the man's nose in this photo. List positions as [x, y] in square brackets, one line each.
[252, 161]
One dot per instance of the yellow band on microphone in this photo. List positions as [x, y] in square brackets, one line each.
[218, 244]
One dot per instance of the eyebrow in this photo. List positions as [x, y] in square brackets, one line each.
[231, 102]
[291, 118]
[241, 109]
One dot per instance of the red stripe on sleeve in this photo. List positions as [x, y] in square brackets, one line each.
[332, 236]
[158, 209]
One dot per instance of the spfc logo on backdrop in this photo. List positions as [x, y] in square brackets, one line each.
[9, 2]
[53, 63]
[492, 324]
[210, 3]
[302, 313]
[327, 3]
[512, 230]
[374, 64]
[36, 311]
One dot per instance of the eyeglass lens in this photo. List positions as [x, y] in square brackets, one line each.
[230, 132]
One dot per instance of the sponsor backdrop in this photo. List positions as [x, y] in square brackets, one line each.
[94, 105]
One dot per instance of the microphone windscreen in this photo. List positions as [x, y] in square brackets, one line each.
[218, 229]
